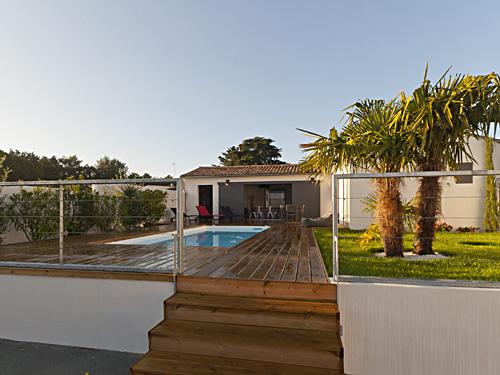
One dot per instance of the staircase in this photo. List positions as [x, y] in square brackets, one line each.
[223, 326]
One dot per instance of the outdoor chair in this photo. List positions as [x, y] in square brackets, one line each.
[203, 214]
[300, 212]
[294, 212]
[270, 213]
[172, 216]
[259, 214]
[228, 213]
[291, 212]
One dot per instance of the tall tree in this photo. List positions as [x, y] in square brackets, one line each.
[107, 168]
[444, 116]
[72, 167]
[374, 138]
[257, 150]
[27, 166]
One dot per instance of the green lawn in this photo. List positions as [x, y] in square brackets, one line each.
[472, 256]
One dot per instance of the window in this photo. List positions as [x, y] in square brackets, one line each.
[275, 198]
[464, 179]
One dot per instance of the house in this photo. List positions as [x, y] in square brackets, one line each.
[245, 187]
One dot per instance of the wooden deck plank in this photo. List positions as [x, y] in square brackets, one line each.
[250, 251]
[236, 253]
[304, 266]
[292, 263]
[256, 260]
[257, 288]
[278, 267]
[318, 270]
[265, 265]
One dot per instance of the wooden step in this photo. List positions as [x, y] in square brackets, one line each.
[257, 288]
[264, 312]
[266, 344]
[169, 363]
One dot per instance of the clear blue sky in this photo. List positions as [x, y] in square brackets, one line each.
[157, 82]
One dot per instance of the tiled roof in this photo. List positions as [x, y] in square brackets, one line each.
[245, 170]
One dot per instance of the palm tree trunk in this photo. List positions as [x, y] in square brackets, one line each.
[390, 216]
[428, 207]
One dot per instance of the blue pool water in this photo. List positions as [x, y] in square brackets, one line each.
[215, 238]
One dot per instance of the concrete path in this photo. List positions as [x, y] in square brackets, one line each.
[23, 358]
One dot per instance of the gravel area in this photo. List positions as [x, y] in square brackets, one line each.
[412, 256]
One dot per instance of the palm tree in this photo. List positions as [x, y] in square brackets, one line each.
[376, 138]
[444, 116]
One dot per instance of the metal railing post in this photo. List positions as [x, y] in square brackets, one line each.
[61, 223]
[335, 229]
[180, 223]
[174, 251]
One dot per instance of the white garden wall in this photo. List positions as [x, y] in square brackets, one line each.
[93, 313]
[394, 329]
[462, 204]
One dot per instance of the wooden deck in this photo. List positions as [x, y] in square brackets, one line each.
[155, 262]
[284, 252]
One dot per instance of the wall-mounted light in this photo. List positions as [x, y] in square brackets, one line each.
[228, 182]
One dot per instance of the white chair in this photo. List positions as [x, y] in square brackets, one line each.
[260, 213]
[270, 213]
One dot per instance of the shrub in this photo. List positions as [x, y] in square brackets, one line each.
[470, 229]
[492, 202]
[35, 212]
[443, 227]
[130, 207]
[409, 209]
[153, 206]
[141, 208]
[4, 216]
[80, 208]
[107, 211]
[371, 234]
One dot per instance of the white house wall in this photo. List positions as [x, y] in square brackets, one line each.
[325, 196]
[462, 204]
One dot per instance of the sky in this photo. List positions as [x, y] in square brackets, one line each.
[168, 85]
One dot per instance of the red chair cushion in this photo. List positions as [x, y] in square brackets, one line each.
[203, 211]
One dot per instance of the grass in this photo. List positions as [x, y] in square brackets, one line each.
[471, 256]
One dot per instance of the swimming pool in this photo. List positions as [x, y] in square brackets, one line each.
[209, 236]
